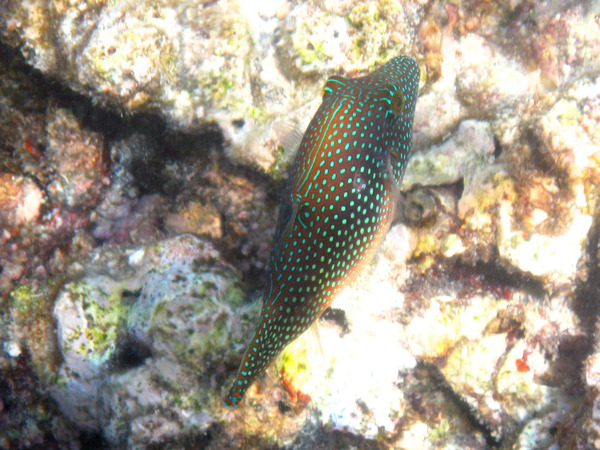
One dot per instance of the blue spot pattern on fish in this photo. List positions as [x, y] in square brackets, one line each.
[342, 193]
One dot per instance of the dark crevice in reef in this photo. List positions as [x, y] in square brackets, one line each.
[195, 440]
[162, 143]
[338, 317]
[93, 440]
[316, 435]
[468, 279]
[162, 160]
[468, 412]
[495, 276]
[586, 304]
[130, 352]
[150, 155]
[587, 290]
[497, 148]
[24, 404]
[575, 350]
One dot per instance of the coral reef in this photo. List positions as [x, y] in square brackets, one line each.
[143, 150]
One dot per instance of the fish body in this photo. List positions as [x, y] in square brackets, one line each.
[342, 192]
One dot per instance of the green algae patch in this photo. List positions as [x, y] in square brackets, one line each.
[379, 30]
[371, 25]
[25, 301]
[311, 52]
[294, 363]
[440, 432]
[234, 295]
[104, 316]
[565, 112]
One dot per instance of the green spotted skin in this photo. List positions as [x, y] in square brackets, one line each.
[342, 192]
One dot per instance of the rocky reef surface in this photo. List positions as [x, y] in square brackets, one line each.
[143, 147]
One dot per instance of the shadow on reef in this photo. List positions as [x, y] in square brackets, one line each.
[28, 419]
[575, 352]
[150, 155]
[177, 166]
[587, 292]
[142, 151]
[431, 375]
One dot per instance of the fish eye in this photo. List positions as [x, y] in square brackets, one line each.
[398, 102]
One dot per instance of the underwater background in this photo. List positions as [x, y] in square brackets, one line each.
[144, 150]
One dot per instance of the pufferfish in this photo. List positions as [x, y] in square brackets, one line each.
[338, 207]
